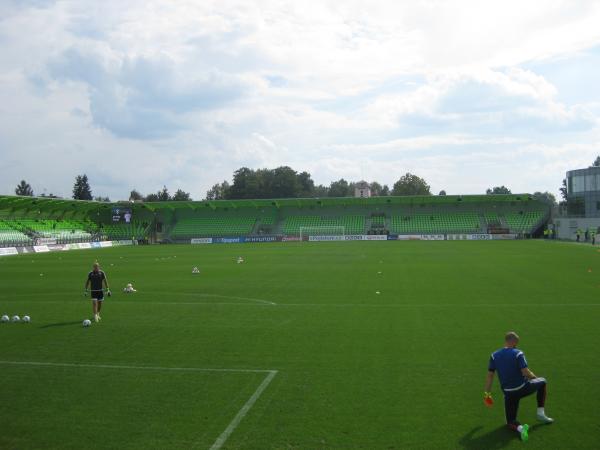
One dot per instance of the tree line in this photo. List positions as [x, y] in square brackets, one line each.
[282, 182]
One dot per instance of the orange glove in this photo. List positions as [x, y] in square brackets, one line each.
[487, 399]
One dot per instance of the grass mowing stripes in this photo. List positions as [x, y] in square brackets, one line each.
[402, 369]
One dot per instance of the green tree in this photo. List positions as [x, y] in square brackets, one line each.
[151, 198]
[498, 190]
[385, 190]
[596, 162]
[181, 196]
[563, 189]
[281, 182]
[102, 199]
[375, 189]
[442, 192]
[163, 195]
[307, 185]
[245, 184]
[218, 191]
[339, 188]
[23, 188]
[410, 184]
[135, 196]
[545, 197]
[321, 191]
[81, 188]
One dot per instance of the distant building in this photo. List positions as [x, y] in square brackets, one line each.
[583, 192]
[362, 189]
[582, 215]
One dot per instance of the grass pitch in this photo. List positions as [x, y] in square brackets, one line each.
[401, 369]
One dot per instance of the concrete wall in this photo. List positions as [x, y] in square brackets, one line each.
[566, 227]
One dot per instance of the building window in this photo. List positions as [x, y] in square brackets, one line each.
[578, 183]
[590, 183]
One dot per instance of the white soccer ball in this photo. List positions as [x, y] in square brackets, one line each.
[16, 319]
[26, 319]
[5, 318]
[87, 322]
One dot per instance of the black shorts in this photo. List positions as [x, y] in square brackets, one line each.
[98, 295]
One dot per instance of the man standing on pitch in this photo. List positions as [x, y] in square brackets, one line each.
[517, 381]
[95, 278]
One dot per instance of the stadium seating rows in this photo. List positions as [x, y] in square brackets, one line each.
[523, 222]
[24, 231]
[213, 226]
[61, 230]
[467, 222]
[351, 224]
[11, 237]
[124, 231]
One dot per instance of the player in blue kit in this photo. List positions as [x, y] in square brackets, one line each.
[517, 381]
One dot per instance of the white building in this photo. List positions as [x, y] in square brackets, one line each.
[362, 189]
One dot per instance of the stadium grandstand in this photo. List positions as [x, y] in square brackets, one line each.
[29, 221]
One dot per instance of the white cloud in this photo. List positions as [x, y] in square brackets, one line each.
[183, 93]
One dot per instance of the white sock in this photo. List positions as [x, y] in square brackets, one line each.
[520, 428]
[541, 411]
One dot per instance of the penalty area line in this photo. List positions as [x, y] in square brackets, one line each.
[270, 374]
[243, 411]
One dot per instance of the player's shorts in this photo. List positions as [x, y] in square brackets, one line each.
[98, 295]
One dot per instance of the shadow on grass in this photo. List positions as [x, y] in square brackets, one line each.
[492, 440]
[61, 324]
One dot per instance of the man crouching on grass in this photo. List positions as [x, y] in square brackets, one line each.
[517, 381]
[95, 278]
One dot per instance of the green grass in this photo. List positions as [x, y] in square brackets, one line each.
[402, 369]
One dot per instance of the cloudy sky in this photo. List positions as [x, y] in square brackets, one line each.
[465, 94]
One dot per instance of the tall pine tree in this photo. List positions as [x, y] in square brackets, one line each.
[81, 188]
[23, 188]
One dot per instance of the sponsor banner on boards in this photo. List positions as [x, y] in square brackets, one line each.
[201, 241]
[349, 237]
[376, 237]
[325, 238]
[84, 245]
[104, 244]
[469, 237]
[433, 237]
[24, 250]
[503, 236]
[291, 239]
[263, 239]
[57, 247]
[229, 240]
[409, 237]
[121, 243]
[6, 251]
[41, 248]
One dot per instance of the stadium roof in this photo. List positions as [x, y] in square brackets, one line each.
[49, 205]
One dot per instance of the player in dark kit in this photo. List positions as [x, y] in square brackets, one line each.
[517, 381]
[95, 279]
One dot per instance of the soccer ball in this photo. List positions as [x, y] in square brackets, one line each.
[5, 318]
[16, 319]
[26, 319]
[87, 323]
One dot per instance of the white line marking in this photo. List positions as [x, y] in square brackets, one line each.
[114, 366]
[335, 305]
[242, 412]
[234, 422]
[249, 299]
